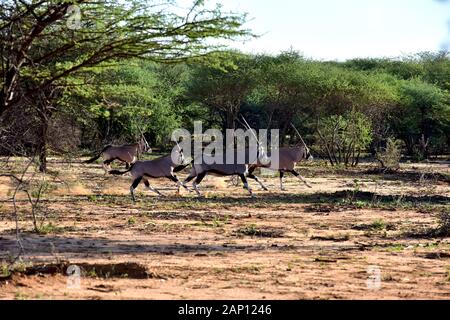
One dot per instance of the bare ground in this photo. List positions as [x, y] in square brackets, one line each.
[319, 243]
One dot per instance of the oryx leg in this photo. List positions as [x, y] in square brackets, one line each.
[245, 182]
[134, 186]
[149, 187]
[295, 173]
[197, 182]
[189, 179]
[175, 179]
[107, 165]
[282, 188]
[127, 164]
[252, 176]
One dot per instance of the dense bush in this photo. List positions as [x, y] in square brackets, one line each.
[406, 99]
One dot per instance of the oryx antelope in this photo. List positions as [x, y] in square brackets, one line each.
[209, 166]
[288, 157]
[200, 170]
[163, 167]
[126, 153]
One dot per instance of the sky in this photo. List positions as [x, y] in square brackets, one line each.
[345, 29]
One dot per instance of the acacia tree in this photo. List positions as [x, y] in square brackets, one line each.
[41, 45]
[423, 115]
[224, 89]
[291, 89]
[124, 102]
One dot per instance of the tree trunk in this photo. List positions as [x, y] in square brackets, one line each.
[42, 145]
[231, 117]
[44, 115]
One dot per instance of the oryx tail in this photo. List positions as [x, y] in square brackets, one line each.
[98, 156]
[119, 173]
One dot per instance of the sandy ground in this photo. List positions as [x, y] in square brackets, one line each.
[336, 240]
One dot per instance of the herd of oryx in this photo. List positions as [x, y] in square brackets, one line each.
[167, 166]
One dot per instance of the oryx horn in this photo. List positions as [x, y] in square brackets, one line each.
[249, 128]
[299, 135]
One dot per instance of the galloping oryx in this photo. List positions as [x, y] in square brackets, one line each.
[163, 167]
[126, 153]
[288, 157]
[208, 165]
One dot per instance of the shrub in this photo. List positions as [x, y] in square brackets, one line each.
[341, 139]
[389, 157]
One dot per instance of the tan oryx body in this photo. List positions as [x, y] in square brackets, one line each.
[288, 157]
[163, 167]
[208, 165]
[129, 153]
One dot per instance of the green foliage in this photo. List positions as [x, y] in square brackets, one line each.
[342, 138]
[224, 90]
[107, 79]
[272, 92]
[437, 68]
[389, 157]
[424, 113]
[141, 101]
[407, 68]
[108, 30]
[292, 88]
[378, 224]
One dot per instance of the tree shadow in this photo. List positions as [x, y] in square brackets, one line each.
[409, 176]
[334, 197]
[71, 247]
[271, 198]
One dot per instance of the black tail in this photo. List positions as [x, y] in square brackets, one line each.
[182, 167]
[119, 173]
[99, 155]
[92, 159]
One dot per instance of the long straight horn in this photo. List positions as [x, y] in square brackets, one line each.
[249, 128]
[299, 135]
[178, 145]
[243, 124]
[143, 137]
